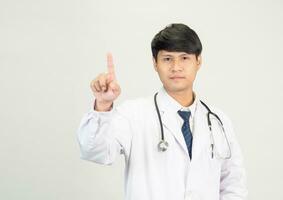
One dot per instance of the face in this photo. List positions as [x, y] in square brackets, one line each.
[177, 70]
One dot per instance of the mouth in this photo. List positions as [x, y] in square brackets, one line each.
[176, 77]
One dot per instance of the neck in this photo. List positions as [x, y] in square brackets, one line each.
[185, 98]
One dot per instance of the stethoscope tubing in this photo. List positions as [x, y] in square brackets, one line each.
[163, 145]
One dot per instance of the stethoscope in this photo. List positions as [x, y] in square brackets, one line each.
[163, 144]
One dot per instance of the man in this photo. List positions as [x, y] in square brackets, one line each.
[169, 150]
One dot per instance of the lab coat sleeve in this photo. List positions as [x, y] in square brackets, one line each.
[102, 136]
[233, 184]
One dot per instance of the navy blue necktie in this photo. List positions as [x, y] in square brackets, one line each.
[186, 130]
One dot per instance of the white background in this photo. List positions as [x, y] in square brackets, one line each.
[51, 50]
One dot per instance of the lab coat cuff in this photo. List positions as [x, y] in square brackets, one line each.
[101, 115]
[93, 106]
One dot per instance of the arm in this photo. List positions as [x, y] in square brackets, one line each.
[104, 135]
[104, 132]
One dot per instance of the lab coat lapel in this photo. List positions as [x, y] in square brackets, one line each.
[200, 132]
[169, 121]
[168, 115]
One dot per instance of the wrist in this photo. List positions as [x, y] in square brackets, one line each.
[102, 105]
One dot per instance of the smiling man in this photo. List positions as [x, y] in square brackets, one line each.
[175, 146]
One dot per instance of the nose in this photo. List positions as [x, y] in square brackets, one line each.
[176, 66]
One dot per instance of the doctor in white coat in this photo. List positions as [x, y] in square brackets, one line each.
[193, 162]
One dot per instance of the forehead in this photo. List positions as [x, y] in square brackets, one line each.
[172, 53]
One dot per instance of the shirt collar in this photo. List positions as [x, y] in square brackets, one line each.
[168, 103]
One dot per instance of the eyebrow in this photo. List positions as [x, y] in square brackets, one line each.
[169, 55]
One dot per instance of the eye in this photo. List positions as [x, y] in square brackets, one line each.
[186, 57]
[166, 59]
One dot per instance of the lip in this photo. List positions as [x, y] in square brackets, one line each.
[176, 77]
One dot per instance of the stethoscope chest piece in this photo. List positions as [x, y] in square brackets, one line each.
[163, 145]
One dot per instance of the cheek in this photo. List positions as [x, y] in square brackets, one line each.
[191, 74]
[163, 75]
[192, 70]
[161, 71]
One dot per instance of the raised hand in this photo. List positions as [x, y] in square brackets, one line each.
[105, 87]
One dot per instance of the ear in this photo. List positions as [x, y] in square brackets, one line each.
[199, 61]
[154, 63]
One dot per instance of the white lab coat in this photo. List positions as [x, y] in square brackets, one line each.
[133, 129]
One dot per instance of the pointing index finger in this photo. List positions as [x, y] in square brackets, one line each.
[110, 64]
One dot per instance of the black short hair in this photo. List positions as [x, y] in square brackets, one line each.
[176, 37]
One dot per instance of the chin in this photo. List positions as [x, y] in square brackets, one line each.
[177, 88]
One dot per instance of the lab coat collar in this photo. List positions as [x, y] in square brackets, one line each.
[171, 105]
